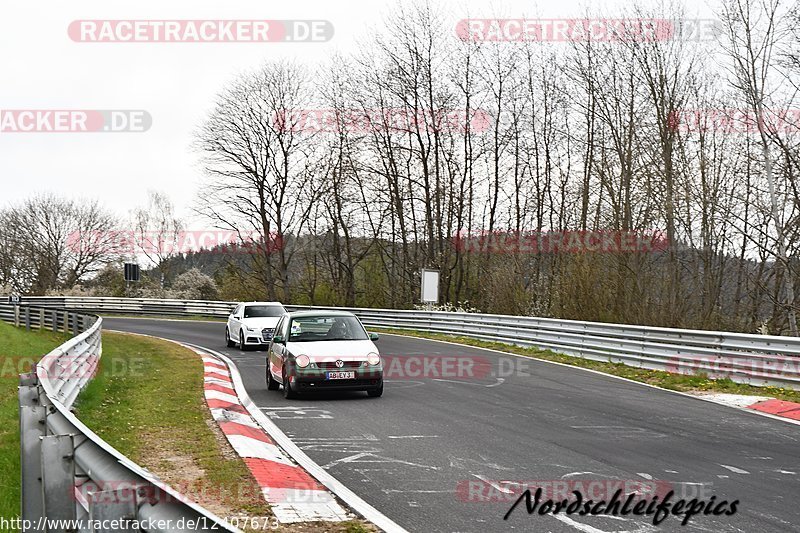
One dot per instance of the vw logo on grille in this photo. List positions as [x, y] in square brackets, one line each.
[339, 363]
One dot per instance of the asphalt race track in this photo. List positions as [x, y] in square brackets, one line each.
[414, 453]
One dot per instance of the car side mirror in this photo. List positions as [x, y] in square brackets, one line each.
[373, 337]
[278, 339]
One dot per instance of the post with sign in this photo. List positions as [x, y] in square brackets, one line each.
[14, 300]
[132, 273]
[430, 287]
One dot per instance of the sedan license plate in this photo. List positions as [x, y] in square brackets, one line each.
[340, 375]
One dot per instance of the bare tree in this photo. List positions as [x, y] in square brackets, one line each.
[258, 160]
[753, 32]
[157, 232]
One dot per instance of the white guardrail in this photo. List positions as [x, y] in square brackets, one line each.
[744, 358]
[70, 476]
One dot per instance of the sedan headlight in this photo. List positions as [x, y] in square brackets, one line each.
[302, 361]
[373, 359]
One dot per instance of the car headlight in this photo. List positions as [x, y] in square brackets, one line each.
[302, 361]
[373, 359]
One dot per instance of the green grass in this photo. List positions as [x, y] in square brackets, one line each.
[18, 350]
[665, 380]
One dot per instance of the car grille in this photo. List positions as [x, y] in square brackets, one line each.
[266, 333]
[331, 365]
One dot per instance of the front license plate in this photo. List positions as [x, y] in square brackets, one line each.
[340, 375]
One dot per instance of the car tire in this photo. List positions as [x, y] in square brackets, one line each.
[228, 340]
[288, 392]
[272, 384]
[242, 347]
[376, 393]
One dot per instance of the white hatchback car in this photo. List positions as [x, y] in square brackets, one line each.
[252, 323]
[323, 350]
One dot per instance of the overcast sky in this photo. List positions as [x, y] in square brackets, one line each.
[176, 83]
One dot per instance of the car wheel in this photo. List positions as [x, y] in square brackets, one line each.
[242, 347]
[272, 384]
[288, 392]
[228, 340]
[376, 393]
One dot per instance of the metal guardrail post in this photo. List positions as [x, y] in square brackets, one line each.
[112, 505]
[27, 318]
[16, 316]
[32, 418]
[58, 478]
[41, 318]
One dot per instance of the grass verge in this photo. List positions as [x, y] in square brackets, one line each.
[18, 350]
[665, 380]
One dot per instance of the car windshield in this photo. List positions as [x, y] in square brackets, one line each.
[254, 311]
[326, 328]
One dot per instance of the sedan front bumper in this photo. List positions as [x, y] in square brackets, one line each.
[309, 379]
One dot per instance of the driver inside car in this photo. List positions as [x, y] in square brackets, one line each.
[339, 330]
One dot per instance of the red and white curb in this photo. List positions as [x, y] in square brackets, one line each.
[294, 495]
[762, 404]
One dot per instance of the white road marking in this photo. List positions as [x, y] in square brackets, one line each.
[786, 472]
[295, 413]
[356, 444]
[460, 462]
[392, 491]
[734, 469]
[577, 525]
[494, 484]
[578, 474]
[459, 381]
[412, 436]
[644, 475]
[359, 458]
[585, 528]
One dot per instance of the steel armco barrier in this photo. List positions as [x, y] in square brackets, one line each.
[68, 472]
[744, 358]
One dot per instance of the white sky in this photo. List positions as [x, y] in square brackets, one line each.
[41, 68]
